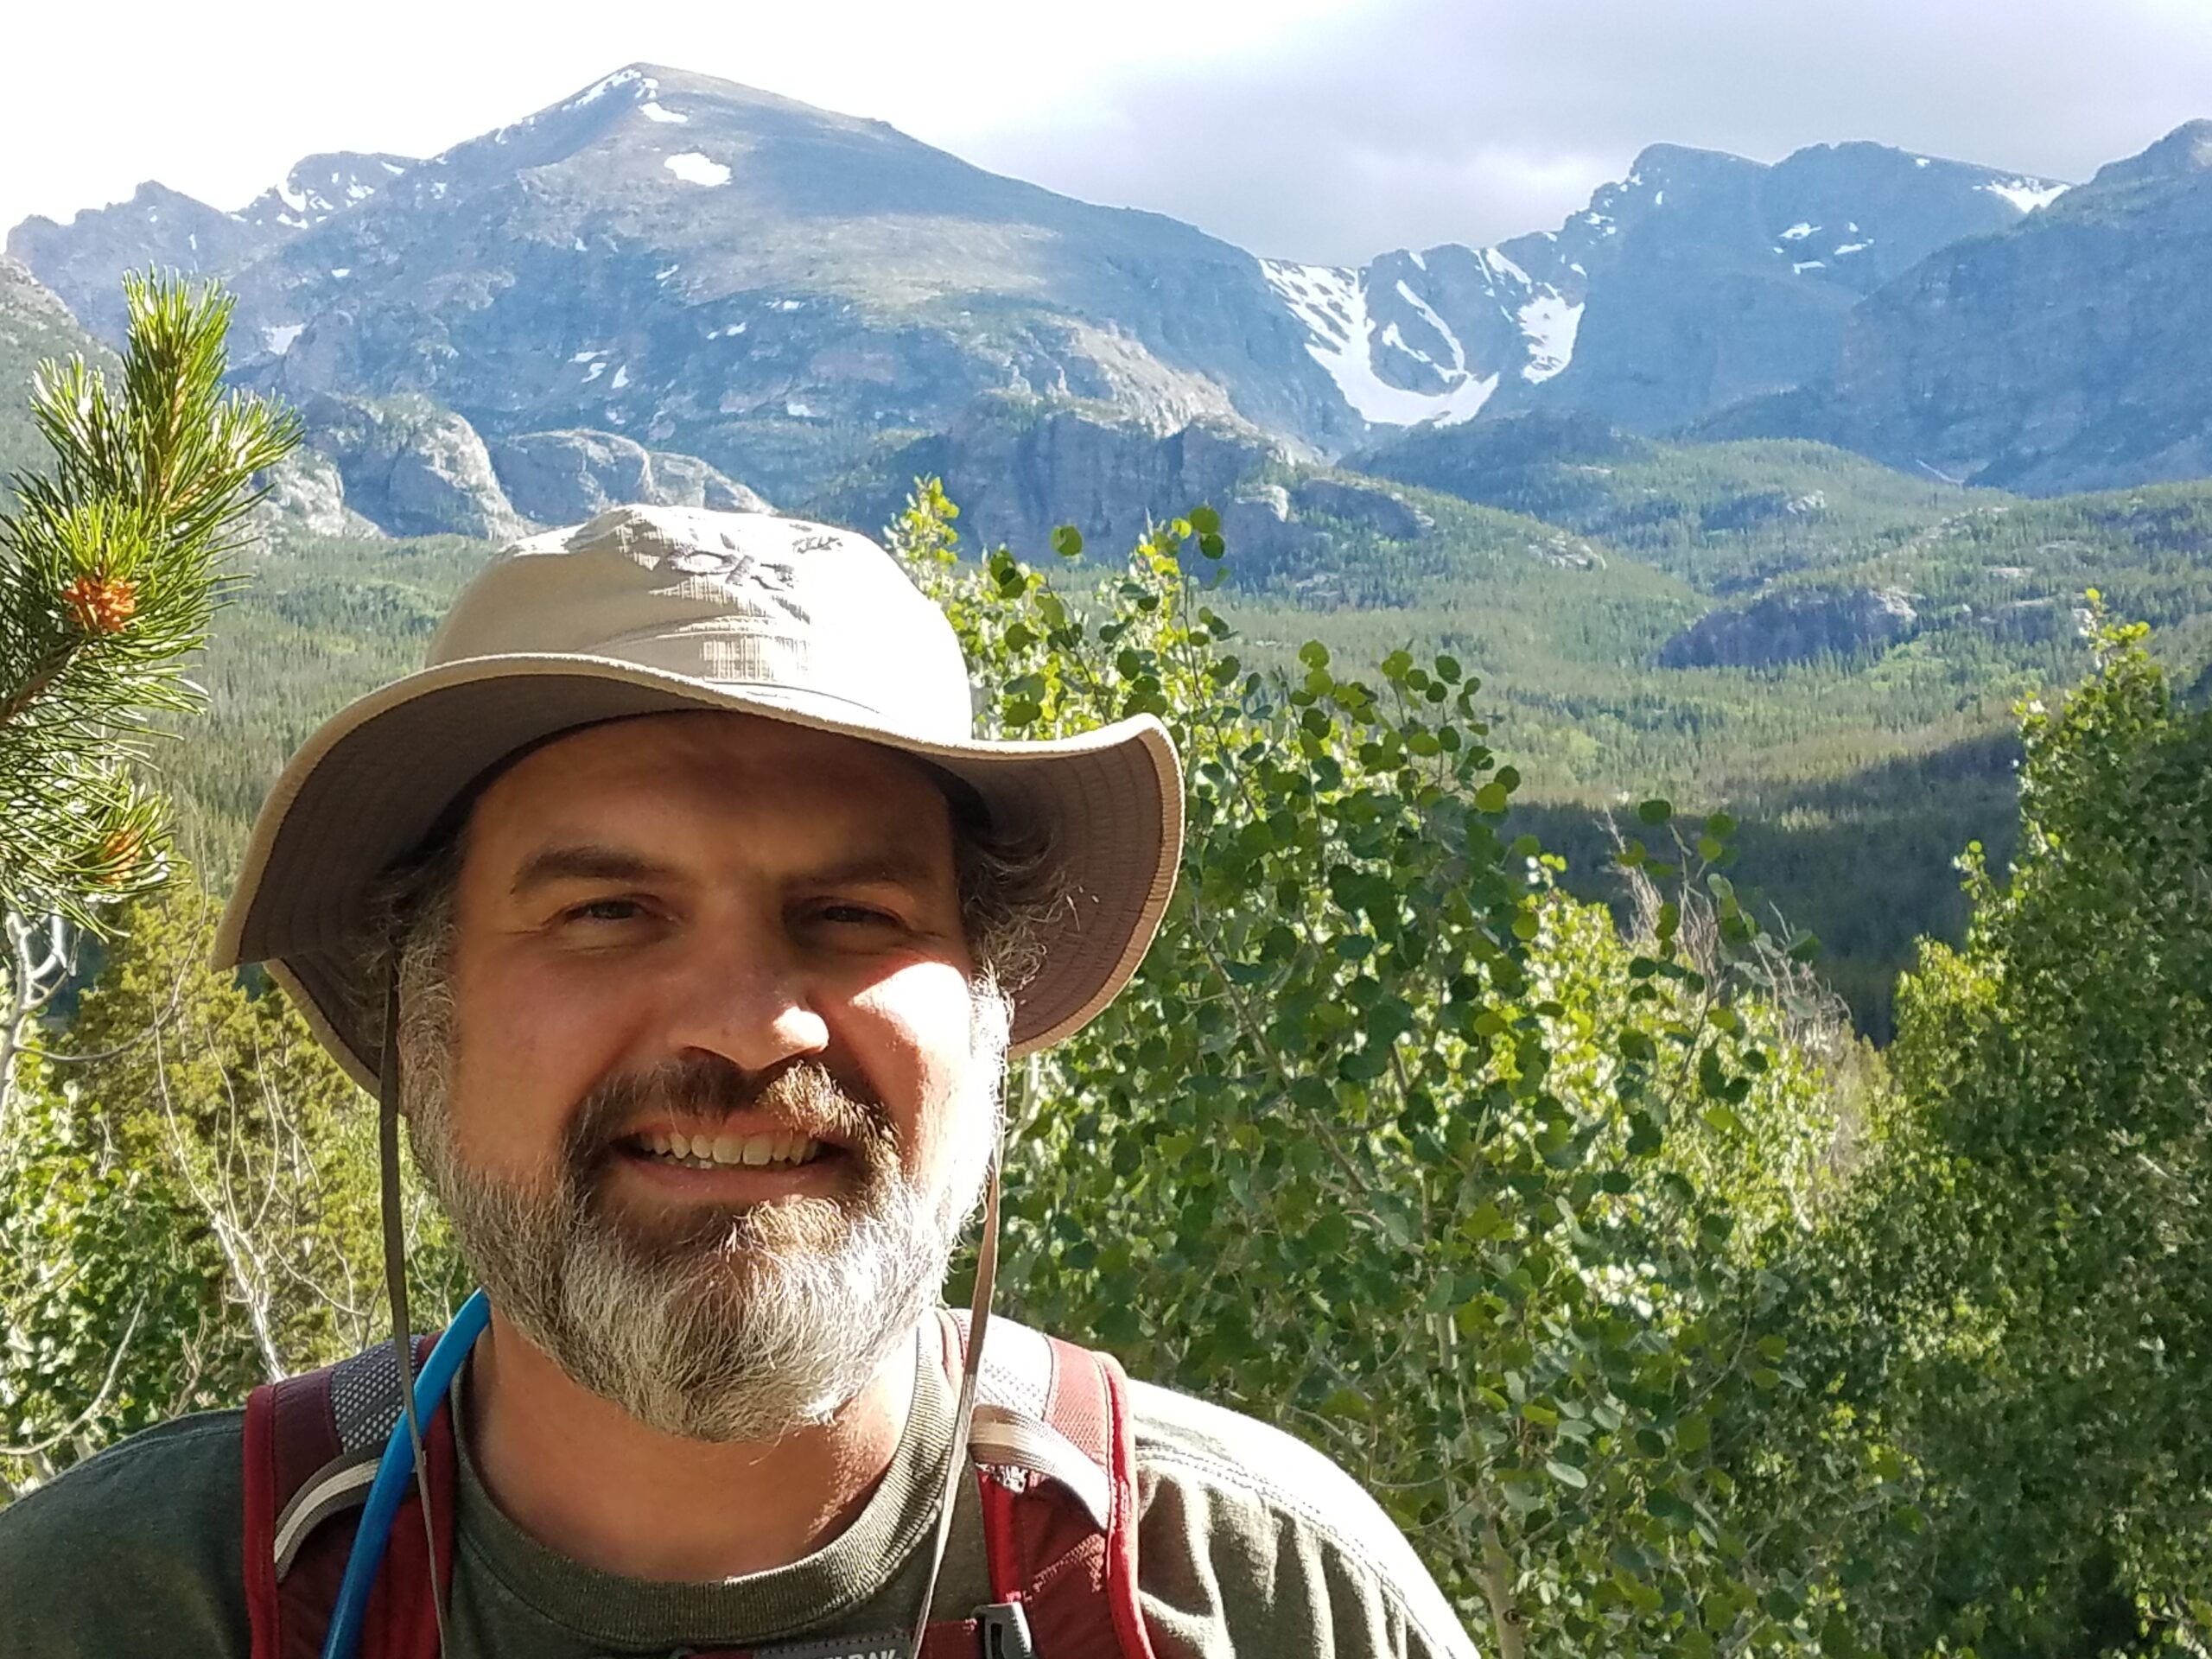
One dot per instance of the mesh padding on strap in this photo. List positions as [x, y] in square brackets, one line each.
[1017, 1374]
[365, 1398]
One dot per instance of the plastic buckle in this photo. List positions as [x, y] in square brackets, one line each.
[1004, 1628]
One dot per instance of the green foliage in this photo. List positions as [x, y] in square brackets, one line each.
[188, 1203]
[1663, 1318]
[1395, 1145]
[2023, 1302]
[110, 569]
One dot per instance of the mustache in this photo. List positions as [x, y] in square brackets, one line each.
[705, 1088]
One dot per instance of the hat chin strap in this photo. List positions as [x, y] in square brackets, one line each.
[979, 1319]
[394, 1273]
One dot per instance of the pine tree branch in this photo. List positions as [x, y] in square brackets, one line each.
[110, 576]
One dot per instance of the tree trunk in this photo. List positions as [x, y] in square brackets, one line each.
[1497, 1585]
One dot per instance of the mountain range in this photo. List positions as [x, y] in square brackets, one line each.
[673, 288]
[776, 297]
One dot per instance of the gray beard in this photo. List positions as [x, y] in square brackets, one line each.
[742, 1326]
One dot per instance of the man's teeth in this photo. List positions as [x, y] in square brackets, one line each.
[706, 1151]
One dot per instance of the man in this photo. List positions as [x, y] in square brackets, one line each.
[709, 926]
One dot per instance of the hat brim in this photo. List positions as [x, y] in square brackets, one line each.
[364, 791]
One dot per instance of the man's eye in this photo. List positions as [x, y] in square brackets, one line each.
[604, 909]
[854, 916]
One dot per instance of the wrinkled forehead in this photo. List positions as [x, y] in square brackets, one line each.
[716, 778]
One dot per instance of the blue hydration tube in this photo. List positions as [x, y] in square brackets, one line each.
[394, 1471]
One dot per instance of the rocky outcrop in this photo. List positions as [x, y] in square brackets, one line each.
[308, 495]
[1795, 625]
[1383, 512]
[562, 477]
[1017, 474]
[1757, 507]
[412, 469]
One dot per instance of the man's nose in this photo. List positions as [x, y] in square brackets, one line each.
[747, 998]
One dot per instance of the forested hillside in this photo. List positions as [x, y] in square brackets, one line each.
[1860, 765]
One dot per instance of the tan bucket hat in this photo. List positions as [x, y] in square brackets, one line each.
[652, 610]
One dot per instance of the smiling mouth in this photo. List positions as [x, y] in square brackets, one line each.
[729, 1151]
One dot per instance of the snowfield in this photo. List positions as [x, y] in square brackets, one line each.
[1332, 305]
[694, 169]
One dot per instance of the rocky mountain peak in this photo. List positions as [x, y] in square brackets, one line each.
[322, 184]
[83, 260]
[1657, 165]
[2182, 160]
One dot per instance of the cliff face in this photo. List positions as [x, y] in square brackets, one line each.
[2071, 352]
[34, 324]
[1795, 625]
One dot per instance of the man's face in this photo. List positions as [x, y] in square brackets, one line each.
[713, 1090]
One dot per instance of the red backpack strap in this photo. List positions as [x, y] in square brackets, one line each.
[1056, 1459]
[312, 1443]
[1055, 1467]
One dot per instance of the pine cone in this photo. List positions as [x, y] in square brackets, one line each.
[100, 604]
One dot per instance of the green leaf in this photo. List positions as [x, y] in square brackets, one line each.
[1067, 541]
[1655, 811]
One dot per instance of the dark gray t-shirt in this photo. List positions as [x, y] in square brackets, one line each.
[1250, 1542]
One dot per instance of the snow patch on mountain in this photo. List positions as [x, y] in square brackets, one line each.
[1331, 303]
[652, 110]
[1444, 329]
[2028, 195]
[693, 168]
[1502, 266]
[1549, 324]
[599, 88]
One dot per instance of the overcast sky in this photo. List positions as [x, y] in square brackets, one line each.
[1320, 129]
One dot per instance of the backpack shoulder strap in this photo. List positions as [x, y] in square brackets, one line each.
[311, 1443]
[1056, 1460]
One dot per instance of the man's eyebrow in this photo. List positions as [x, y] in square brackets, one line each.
[584, 863]
[895, 867]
